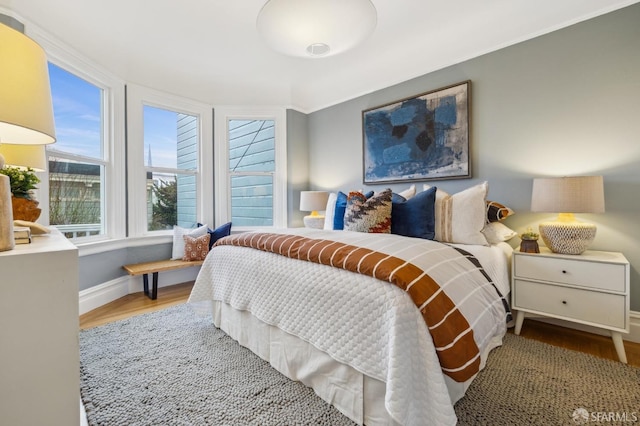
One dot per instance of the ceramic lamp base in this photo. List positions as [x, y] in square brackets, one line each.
[7, 241]
[567, 237]
[316, 222]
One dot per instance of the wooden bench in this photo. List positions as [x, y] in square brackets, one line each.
[154, 268]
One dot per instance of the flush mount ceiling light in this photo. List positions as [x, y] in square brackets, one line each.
[315, 28]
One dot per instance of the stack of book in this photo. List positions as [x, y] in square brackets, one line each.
[22, 234]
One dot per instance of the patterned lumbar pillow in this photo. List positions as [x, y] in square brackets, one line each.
[497, 212]
[371, 215]
[196, 248]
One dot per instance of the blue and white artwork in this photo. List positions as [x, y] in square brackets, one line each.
[421, 138]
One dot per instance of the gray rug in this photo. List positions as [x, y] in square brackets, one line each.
[174, 368]
[529, 382]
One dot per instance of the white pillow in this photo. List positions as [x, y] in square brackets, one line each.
[408, 193]
[496, 232]
[178, 242]
[330, 211]
[460, 217]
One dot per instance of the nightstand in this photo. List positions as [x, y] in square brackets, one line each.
[591, 288]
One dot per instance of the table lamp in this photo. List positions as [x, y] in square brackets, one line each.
[566, 196]
[24, 156]
[26, 116]
[313, 201]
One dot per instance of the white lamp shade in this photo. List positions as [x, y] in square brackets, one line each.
[576, 194]
[26, 112]
[313, 200]
[308, 28]
[25, 156]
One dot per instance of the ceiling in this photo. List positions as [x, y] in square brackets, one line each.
[209, 50]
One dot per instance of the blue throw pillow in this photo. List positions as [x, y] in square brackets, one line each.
[414, 217]
[341, 208]
[219, 232]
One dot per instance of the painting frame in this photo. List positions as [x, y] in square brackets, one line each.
[420, 138]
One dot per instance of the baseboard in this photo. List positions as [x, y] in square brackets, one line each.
[104, 293]
[634, 329]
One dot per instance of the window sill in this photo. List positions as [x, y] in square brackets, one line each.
[96, 247]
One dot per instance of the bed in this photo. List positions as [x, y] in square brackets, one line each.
[389, 329]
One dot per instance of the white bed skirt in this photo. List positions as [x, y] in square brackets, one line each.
[357, 396]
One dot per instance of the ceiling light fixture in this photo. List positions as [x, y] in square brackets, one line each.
[316, 28]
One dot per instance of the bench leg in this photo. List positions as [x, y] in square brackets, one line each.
[153, 294]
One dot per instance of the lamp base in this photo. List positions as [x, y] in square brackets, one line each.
[7, 239]
[567, 237]
[316, 222]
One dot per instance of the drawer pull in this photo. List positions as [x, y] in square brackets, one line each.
[564, 302]
[564, 272]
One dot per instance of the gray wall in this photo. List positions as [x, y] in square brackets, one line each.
[100, 268]
[297, 165]
[566, 103]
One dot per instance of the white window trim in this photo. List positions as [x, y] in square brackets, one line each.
[223, 178]
[137, 98]
[113, 128]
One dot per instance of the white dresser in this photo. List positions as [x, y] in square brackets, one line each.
[39, 355]
[591, 288]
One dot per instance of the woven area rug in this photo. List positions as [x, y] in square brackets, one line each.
[529, 382]
[172, 367]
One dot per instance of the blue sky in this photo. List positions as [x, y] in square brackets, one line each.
[77, 111]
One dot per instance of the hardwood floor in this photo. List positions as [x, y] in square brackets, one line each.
[138, 303]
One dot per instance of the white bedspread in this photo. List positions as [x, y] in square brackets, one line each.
[363, 322]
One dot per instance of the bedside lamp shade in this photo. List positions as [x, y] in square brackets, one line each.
[313, 201]
[25, 156]
[566, 196]
[26, 116]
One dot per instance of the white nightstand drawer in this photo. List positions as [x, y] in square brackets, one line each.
[584, 305]
[606, 276]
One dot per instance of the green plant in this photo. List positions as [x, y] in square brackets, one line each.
[22, 181]
[529, 235]
[165, 209]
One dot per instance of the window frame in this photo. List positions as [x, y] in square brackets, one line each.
[137, 98]
[223, 174]
[113, 199]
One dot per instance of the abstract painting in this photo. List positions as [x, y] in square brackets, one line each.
[420, 138]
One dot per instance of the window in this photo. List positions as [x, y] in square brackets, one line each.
[167, 185]
[77, 164]
[171, 163]
[251, 167]
[251, 170]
